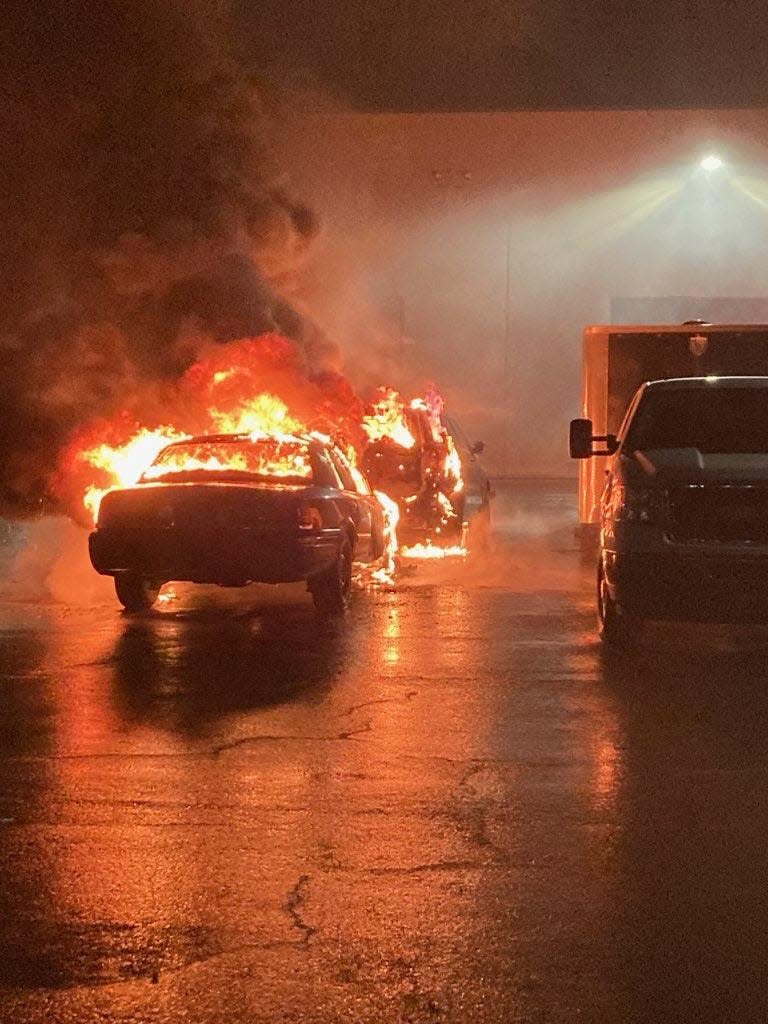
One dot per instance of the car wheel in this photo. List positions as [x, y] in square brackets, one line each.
[613, 627]
[332, 588]
[136, 593]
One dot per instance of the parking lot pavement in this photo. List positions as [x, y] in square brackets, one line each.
[452, 806]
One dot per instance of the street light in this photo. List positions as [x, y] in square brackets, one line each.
[711, 162]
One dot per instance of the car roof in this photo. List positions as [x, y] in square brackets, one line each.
[713, 381]
[241, 438]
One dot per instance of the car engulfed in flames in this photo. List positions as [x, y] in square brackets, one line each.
[242, 487]
[413, 453]
[233, 509]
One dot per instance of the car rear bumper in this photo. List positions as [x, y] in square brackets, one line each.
[696, 586]
[225, 557]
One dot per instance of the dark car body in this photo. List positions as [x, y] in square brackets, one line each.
[684, 510]
[227, 528]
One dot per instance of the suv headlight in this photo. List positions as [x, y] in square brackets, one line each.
[639, 504]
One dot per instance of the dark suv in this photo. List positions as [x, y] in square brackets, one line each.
[684, 511]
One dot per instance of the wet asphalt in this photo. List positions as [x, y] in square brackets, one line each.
[453, 806]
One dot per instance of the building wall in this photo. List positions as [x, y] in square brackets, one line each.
[470, 249]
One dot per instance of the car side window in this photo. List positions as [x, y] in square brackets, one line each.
[361, 484]
[629, 415]
[329, 470]
[342, 468]
[360, 481]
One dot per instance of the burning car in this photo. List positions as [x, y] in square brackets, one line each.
[422, 460]
[233, 509]
[473, 502]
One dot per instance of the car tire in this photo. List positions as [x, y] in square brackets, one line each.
[614, 628]
[332, 588]
[136, 593]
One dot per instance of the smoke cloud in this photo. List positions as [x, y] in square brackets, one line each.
[143, 219]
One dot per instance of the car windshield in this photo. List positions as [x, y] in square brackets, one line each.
[712, 420]
[276, 459]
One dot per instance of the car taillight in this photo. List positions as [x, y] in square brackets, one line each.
[310, 518]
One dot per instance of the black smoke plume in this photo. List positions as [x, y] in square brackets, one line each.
[138, 203]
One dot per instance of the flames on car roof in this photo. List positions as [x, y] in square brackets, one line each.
[253, 438]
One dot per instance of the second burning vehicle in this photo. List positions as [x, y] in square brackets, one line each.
[233, 509]
[421, 459]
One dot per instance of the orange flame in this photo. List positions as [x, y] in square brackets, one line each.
[275, 456]
[391, 519]
[432, 404]
[260, 416]
[264, 416]
[122, 465]
[220, 394]
[387, 419]
[433, 551]
[452, 465]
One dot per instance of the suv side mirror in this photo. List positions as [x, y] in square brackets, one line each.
[581, 440]
[478, 448]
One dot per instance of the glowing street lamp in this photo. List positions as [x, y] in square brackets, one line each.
[711, 162]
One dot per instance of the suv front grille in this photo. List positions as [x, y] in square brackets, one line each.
[722, 514]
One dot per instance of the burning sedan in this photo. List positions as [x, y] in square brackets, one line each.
[233, 509]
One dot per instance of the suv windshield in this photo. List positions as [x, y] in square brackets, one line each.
[716, 419]
[269, 458]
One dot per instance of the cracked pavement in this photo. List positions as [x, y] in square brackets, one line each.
[451, 807]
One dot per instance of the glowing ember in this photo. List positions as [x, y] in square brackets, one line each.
[387, 419]
[433, 551]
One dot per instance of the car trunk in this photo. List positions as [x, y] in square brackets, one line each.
[220, 505]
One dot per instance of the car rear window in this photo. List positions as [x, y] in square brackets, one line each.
[268, 458]
[712, 420]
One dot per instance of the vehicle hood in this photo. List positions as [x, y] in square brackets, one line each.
[689, 465]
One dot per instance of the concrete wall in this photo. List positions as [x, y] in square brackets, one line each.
[471, 248]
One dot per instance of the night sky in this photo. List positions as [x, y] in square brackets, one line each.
[492, 55]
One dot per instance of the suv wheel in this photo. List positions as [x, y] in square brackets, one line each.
[136, 593]
[332, 588]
